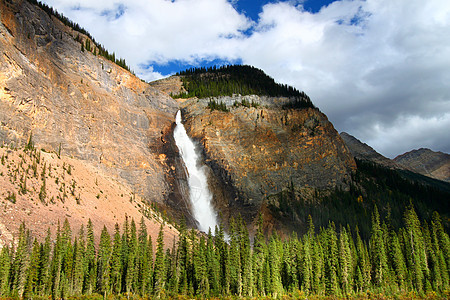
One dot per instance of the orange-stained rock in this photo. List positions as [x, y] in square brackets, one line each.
[83, 104]
[257, 152]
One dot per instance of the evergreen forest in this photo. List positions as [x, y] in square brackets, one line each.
[411, 262]
[244, 80]
[371, 185]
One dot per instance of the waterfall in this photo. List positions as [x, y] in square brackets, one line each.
[199, 193]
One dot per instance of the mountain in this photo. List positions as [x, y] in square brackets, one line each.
[362, 151]
[423, 161]
[268, 150]
[426, 162]
[81, 106]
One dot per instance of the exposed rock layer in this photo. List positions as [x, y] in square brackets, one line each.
[257, 152]
[83, 104]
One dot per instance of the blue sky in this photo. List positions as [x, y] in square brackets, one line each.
[249, 8]
[379, 69]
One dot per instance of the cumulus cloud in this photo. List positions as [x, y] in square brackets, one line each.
[378, 68]
[147, 32]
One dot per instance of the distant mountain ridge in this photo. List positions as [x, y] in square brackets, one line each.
[426, 162]
[363, 151]
[422, 161]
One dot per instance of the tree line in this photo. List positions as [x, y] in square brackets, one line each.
[371, 184]
[326, 262]
[96, 49]
[237, 79]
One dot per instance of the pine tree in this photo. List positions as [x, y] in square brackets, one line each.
[222, 252]
[90, 261]
[21, 262]
[201, 284]
[159, 272]
[235, 260]
[345, 263]
[440, 244]
[143, 264]
[331, 260]
[397, 260]
[259, 256]
[318, 260]
[5, 269]
[78, 265]
[245, 258]
[363, 264]
[103, 265]
[212, 265]
[290, 263]
[44, 265]
[131, 274]
[306, 266]
[415, 249]
[275, 252]
[378, 252]
[124, 252]
[116, 263]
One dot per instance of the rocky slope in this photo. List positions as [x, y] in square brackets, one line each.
[80, 103]
[256, 152]
[426, 162]
[423, 161]
[363, 151]
[42, 190]
[85, 108]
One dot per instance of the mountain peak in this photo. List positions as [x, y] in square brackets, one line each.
[427, 162]
[363, 151]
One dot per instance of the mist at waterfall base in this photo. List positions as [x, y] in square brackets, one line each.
[199, 193]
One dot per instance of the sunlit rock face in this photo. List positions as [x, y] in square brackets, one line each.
[255, 152]
[79, 102]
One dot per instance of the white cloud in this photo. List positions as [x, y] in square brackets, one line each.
[377, 68]
[157, 31]
[369, 65]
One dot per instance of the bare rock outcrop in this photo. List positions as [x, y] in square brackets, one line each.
[80, 104]
[255, 152]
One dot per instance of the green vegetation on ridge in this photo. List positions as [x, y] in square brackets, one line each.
[237, 79]
[96, 49]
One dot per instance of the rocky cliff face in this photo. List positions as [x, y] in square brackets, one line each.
[255, 152]
[426, 162]
[78, 103]
[86, 108]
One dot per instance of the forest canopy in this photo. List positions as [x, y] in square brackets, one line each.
[243, 80]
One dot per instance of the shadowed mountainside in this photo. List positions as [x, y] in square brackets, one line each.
[426, 162]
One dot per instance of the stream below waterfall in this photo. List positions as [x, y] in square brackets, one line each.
[199, 194]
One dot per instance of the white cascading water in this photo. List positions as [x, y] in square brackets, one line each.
[199, 193]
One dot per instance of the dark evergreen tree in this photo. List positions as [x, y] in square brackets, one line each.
[90, 262]
[5, 269]
[159, 273]
[331, 262]
[378, 252]
[103, 263]
[259, 257]
[415, 249]
[116, 262]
